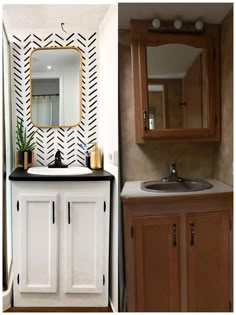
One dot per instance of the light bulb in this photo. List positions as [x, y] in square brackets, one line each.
[199, 25]
[178, 24]
[156, 23]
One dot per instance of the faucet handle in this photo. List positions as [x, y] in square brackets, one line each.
[173, 167]
[58, 154]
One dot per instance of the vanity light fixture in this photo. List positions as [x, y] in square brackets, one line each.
[176, 26]
[49, 67]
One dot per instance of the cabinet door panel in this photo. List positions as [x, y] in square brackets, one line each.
[208, 262]
[38, 243]
[157, 263]
[84, 244]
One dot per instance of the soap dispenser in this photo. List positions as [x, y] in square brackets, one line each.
[95, 158]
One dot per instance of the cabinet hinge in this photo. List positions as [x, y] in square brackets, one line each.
[230, 225]
[17, 205]
[132, 231]
[103, 279]
[104, 205]
[18, 279]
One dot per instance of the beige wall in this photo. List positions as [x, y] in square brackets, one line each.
[224, 152]
[152, 160]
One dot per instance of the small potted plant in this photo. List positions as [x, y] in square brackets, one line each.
[25, 146]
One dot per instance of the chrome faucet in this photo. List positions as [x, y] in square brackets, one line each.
[173, 177]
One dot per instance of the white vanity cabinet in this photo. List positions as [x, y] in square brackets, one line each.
[37, 242]
[61, 242]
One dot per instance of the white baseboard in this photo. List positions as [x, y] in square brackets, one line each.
[112, 306]
[7, 295]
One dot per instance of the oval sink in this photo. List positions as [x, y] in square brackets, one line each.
[186, 186]
[73, 170]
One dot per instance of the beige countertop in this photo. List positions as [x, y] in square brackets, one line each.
[132, 189]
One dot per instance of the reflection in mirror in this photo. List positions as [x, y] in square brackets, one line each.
[177, 87]
[55, 87]
[157, 105]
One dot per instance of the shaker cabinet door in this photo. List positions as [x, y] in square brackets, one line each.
[208, 262]
[84, 243]
[157, 263]
[38, 240]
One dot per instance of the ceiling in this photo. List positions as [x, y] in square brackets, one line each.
[170, 61]
[20, 19]
[208, 12]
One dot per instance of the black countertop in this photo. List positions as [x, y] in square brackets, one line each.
[19, 174]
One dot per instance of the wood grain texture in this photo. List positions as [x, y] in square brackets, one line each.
[208, 262]
[140, 38]
[185, 207]
[157, 263]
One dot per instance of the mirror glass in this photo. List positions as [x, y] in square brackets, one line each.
[177, 87]
[56, 87]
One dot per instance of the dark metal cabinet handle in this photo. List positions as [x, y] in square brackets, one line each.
[174, 235]
[53, 212]
[145, 120]
[68, 212]
[192, 234]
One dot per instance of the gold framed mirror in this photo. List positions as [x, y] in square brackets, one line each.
[56, 87]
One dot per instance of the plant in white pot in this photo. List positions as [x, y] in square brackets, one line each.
[25, 146]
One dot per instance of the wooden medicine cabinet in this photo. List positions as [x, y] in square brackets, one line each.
[176, 86]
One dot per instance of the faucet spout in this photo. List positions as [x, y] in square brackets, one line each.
[57, 163]
[173, 170]
[173, 177]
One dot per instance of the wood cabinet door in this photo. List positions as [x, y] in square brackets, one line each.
[157, 263]
[84, 240]
[38, 240]
[208, 262]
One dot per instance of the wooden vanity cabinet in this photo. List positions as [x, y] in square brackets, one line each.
[157, 263]
[208, 252]
[178, 253]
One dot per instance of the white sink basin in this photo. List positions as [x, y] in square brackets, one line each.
[71, 170]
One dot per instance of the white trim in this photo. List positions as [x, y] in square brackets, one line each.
[7, 295]
[112, 306]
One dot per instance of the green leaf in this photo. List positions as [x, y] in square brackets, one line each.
[23, 142]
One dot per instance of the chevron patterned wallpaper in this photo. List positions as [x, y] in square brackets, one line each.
[49, 140]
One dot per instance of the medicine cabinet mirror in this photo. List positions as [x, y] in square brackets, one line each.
[55, 87]
[175, 83]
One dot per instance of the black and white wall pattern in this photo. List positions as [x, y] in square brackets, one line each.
[49, 140]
